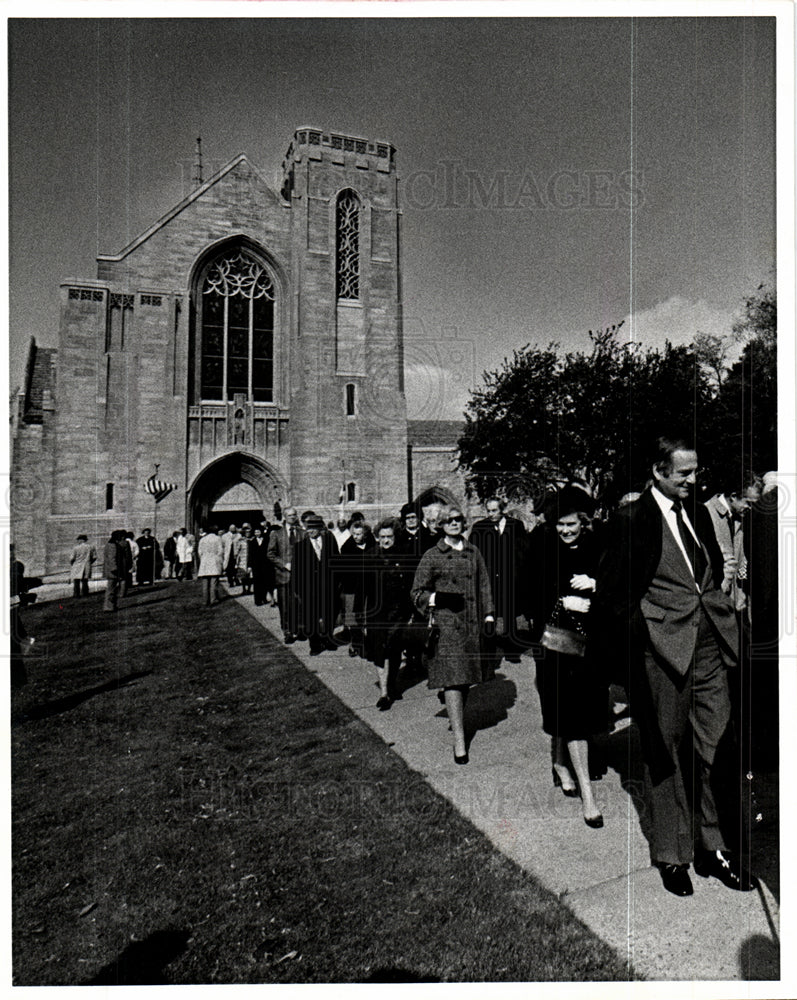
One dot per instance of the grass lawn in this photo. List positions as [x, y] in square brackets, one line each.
[191, 806]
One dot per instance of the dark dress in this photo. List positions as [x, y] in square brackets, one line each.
[573, 690]
[388, 605]
[150, 561]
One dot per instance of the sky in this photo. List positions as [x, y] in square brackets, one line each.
[557, 174]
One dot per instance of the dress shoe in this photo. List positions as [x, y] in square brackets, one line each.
[596, 822]
[461, 758]
[675, 879]
[571, 793]
[289, 639]
[384, 704]
[725, 867]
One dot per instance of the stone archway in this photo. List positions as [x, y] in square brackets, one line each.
[436, 494]
[219, 476]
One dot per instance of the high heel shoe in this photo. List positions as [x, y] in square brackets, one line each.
[596, 822]
[571, 793]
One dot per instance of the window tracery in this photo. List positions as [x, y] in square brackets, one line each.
[348, 245]
[237, 329]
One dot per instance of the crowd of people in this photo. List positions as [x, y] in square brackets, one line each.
[668, 602]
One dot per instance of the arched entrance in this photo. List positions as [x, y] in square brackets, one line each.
[216, 485]
[436, 494]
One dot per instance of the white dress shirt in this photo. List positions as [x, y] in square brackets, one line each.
[671, 520]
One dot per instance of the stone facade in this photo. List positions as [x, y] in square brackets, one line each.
[309, 280]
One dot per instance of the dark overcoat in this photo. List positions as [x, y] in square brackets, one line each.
[505, 557]
[313, 584]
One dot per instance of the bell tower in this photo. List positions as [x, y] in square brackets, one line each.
[348, 412]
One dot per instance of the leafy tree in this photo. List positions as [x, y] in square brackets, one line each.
[544, 419]
[747, 404]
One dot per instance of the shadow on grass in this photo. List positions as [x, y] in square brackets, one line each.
[392, 975]
[51, 708]
[128, 603]
[142, 962]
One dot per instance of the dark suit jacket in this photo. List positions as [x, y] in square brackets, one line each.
[665, 616]
[280, 553]
[644, 602]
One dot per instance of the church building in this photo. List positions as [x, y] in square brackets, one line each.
[246, 348]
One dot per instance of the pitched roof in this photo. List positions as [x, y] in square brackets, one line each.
[164, 219]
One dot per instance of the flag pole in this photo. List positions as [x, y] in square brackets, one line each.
[155, 529]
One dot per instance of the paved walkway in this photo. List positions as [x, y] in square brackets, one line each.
[604, 876]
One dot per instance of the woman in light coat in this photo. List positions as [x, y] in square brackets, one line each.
[452, 583]
[81, 561]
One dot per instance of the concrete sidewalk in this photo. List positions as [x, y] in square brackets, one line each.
[604, 876]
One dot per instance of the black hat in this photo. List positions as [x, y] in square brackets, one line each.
[568, 500]
[409, 508]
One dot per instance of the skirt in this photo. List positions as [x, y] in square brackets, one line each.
[573, 696]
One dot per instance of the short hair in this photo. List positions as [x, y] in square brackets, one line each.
[82, 538]
[499, 500]
[307, 515]
[446, 512]
[664, 447]
[388, 522]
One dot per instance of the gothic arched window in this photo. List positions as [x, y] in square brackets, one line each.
[347, 245]
[236, 311]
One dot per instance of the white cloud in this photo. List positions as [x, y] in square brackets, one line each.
[435, 392]
[677, 320]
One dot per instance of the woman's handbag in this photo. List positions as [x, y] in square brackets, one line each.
[432, 635]
[569, 641]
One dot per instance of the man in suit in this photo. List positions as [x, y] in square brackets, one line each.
[314, 560]
[502, 542]
[727, 510]
[659, 595]
[281, 543]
